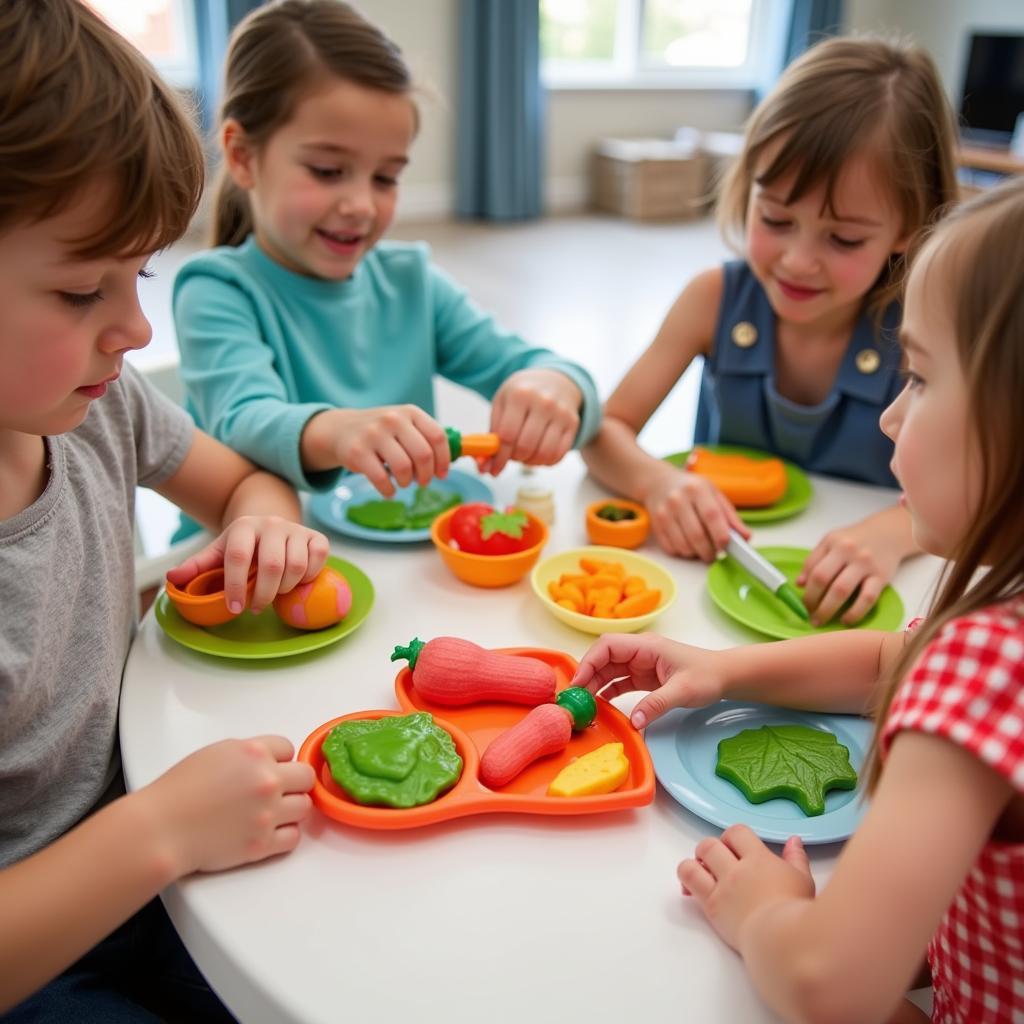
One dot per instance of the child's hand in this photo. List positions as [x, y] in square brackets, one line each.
[285, 553]
[735, 876]
[230, 803]
[679, 676]
[536, 415]
[391, 441]
[690, 516]
[855, 556]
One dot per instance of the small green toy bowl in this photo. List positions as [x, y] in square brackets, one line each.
[653, 574]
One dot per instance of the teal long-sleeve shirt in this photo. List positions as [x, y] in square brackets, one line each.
[264, 349]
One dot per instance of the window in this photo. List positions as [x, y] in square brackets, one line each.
[653, 43]
[163, 30]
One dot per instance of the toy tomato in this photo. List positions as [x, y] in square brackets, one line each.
[481, 529]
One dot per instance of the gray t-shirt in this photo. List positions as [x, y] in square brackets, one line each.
[68, 612]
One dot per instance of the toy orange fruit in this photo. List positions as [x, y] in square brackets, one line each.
[323, 601]
[201, 601]
[617, 522]
[745, 481]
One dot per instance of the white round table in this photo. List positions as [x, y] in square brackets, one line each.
[500, 917]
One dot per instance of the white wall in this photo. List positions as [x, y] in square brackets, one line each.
[941, 26]
[427, 32]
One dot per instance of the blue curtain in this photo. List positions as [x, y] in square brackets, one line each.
[214, 21]
[810, 21]
[500, 124]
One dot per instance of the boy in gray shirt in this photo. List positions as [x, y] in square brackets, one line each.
[99, 168]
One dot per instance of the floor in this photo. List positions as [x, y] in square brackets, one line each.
[593, 288]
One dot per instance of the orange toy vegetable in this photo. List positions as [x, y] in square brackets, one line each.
[604, 591]
[453, 672]
[547, 729]
[746, 482]
[617, 522]
[479, 446]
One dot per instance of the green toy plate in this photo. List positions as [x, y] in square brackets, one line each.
[798, 487]
[740, 596]
[265, 635]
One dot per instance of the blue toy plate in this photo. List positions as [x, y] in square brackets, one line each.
[684, 748]
[328, 509]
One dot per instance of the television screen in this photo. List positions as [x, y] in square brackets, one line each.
[993, 92]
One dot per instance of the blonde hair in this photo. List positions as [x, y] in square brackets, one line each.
[276, 55]
[976, 259]
[843, 97]
[81, 107]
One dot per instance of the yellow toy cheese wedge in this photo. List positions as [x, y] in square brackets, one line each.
[601, 771]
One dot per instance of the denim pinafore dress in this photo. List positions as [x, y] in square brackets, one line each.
[740, 405]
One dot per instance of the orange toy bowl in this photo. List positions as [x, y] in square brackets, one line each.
[625, 533]
[201, 601]
[488, 570]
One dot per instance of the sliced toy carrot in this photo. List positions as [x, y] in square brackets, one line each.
[746, 482]
[478, 446]
[639, 604]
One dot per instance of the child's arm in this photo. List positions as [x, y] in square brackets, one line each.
[851, 953]
[536, 414]
[230, 803]
[838, 672]
[385, 442]
[542, 404]
[259, 515]
[689, 515]
[865, 555]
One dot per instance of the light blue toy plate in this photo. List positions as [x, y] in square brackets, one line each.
[328, 508]
[684, 748]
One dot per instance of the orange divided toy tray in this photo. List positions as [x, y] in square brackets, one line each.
[472, 728]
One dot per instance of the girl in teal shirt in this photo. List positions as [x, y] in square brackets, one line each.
[306, 342]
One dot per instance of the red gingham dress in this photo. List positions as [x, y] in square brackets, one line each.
[968, 687]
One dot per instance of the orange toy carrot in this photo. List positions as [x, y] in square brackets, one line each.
[479, 446]
[746, 482]
[547, 729]
[453, 672]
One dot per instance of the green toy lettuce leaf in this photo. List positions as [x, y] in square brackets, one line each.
[396, 761]
[790, 761]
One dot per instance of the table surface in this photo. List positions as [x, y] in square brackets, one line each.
[503, 917]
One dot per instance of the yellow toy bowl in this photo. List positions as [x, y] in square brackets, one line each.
[636, 565]
[488, 570]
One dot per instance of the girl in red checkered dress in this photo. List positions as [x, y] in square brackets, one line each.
[936, 869]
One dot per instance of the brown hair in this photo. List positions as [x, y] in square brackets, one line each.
[80, 107]
[277, 54]
[840, 98]
[977, 255]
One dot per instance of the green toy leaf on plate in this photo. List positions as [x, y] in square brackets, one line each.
[427, 504]
[790, 761]
[378, 515]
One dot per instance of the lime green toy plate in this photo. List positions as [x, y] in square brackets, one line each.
[265, 635]
[798, 487]
[750, 603]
